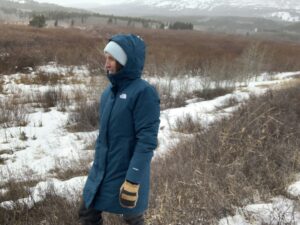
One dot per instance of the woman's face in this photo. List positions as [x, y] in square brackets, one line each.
[111, 65]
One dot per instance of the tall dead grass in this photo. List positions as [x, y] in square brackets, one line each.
[85, 117]
[252, 155]
[173, 51]
[12, 114]
[23, 46]
[246, 158]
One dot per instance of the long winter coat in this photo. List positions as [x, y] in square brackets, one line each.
[129, 115]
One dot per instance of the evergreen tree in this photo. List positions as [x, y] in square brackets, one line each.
[181, 26]
[38, 21]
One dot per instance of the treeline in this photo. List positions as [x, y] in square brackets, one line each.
[181, 26]
[111, 19]
[83, 18]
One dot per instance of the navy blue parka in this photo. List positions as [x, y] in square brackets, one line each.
[129, 122]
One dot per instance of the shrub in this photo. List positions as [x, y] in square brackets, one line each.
[85, 117]
[255, 152]
[38, 21]
[181, 26]
[23, 136]
[212, 93]
[1, 85]
[12, 114]
[68, 168]
[53, 97]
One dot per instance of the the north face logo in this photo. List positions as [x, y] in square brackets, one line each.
[123, 96]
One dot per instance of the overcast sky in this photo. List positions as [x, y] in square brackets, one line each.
[80, 2]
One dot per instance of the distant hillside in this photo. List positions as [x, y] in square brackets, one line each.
[21, 11]
[294, 27]
[10, 6]
[271, 9]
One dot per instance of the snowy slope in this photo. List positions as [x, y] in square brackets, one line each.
[276, 9]
[211, 4]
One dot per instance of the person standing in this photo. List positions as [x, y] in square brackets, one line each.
[119, 180]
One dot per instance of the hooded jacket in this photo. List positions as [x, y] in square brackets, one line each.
[129, 122]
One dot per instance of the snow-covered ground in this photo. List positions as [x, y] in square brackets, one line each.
[50, 145]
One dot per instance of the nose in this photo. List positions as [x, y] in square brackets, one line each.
[107, 64]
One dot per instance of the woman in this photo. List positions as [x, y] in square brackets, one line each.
[118, 181]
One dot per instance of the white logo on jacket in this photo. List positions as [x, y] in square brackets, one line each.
[123, 96]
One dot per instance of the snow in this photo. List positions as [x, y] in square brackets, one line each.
[294, 189]
[53, 68]
[69, 189]
[279, 211]
[286, 16]
[50, 145]
[51, 142]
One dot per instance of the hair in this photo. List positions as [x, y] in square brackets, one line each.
[119, 66]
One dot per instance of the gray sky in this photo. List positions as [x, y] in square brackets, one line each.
[80, 2]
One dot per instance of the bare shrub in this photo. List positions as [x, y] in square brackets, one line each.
[1, 85]
[53, 97]
[209, 94]
[23, 136]
[24, 46]
[252, 153]
[66, 169]
[188, 125]
[206, 176]
[16, 190]
[43, 78]
[27, 47]
[85, 117]
[52, 211]
[167, 99]
[253, 60]
[12, 114]
[175, 94]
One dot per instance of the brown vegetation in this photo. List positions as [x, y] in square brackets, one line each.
[253, 155]
[23, 47]
[85, 117]
[12, 114]
[246, 158]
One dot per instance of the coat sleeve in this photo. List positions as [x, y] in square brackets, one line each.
[146, 123]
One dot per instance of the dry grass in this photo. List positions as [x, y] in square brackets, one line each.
[67, 169]
[85, 117]
[212, 93]
[171, 50]
[43, 78]
[12, 114]
[29, 47]
[53, 97]
[248, 157]
[16, 190]
[255, 151]
[175, 94]
[1, 85]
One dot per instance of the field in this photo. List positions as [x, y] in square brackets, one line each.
[229, 137]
